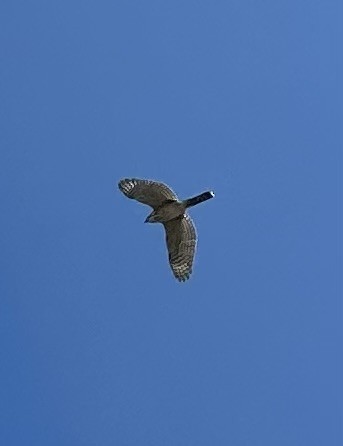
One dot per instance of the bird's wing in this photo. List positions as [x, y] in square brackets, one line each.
[181, 241]
[148, 192]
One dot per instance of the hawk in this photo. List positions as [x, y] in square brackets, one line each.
[180, 231]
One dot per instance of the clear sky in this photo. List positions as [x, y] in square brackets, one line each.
[100, 345]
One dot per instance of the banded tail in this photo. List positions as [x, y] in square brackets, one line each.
[199, 199]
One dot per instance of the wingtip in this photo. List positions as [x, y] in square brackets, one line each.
[120, 184]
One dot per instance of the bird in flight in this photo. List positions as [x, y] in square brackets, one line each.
[181, 236]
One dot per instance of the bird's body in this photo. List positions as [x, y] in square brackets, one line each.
[167, 211]
[181, 235]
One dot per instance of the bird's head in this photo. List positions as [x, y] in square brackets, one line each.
[152, 218]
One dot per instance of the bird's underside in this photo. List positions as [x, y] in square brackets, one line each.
[181, 237]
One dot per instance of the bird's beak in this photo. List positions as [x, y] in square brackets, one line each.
[146, 220]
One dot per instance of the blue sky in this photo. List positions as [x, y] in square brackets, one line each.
[99, 344]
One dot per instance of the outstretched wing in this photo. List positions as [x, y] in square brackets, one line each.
[181, 240]
[148, 192]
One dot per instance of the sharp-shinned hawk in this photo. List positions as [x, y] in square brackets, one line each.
[181, 235]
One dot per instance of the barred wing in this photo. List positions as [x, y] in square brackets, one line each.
[148, 192]
[181, 240]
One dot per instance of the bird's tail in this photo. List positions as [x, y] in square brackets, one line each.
[199, 199]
